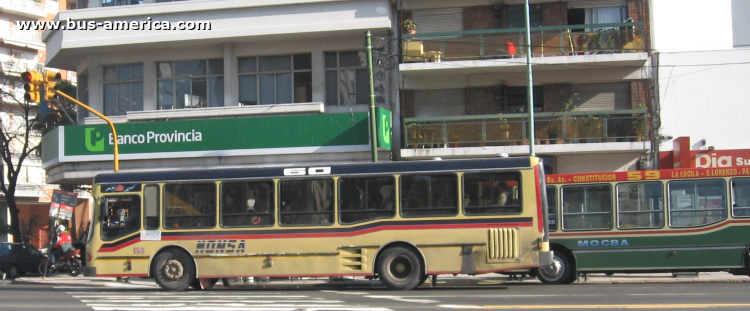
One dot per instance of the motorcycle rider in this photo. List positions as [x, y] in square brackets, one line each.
[64, 243]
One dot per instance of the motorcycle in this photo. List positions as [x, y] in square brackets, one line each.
[70, 262]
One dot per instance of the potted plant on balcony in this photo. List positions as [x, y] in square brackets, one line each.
[410, 27]
[553, 133]
[639, 124]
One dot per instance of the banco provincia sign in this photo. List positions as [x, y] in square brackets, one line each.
[266, 135]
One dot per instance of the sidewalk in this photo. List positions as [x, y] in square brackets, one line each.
[442, 280]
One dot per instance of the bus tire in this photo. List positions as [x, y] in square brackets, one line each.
[173, 270]
[400, 268]
[563, 272]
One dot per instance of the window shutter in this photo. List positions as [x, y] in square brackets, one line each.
[596, 4]
[439, 20]
[440, 103]
[602, 96]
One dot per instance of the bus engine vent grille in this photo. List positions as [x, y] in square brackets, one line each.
[502, 244]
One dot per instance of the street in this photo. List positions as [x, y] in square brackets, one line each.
[709, 291]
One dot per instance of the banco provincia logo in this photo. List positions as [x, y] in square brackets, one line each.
[94, 140]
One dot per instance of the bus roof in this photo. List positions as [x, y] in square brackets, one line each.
[580, 178]
[335, 169]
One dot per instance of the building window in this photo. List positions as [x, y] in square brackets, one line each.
[269, 80]
[83, 95]
[120, 2]
[190, 84]
[516, 15]
[123, 89]
[517, 101]
[347, 79]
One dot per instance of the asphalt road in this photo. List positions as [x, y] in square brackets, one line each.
[488, 293]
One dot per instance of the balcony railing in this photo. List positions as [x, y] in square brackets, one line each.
[512, 129]
[14, 33]
[27, 7]
[511, 43]
[15, 66]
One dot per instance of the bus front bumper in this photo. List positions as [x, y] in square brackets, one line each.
[545, 259]
[89, 271]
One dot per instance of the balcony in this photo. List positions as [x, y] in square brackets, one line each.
[545, 41]
[27, 8]
[15, 66]
[560, 54]
[574, 127]
[12, 34]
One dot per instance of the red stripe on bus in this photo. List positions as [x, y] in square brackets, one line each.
[539, 212]
[254, 236]
[660, 231]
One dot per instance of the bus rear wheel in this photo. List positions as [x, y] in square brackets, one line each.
[399, 268]
[174, 270]
[561, 272]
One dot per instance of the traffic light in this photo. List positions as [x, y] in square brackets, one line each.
[32, 83]
[51, 79]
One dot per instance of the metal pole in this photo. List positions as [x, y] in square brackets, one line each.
[530, 90]
[111, 126]
[373, 125]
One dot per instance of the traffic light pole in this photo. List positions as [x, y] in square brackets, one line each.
[112, 126]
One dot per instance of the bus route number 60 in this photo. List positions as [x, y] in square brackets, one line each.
[325, 170]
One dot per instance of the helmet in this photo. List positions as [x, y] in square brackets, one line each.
[60, 229]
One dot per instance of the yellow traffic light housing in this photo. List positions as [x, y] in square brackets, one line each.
[51, 79]
[32, 83]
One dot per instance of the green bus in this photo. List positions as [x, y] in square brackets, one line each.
[673, 220]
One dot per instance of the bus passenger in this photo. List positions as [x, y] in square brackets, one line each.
[502, 193]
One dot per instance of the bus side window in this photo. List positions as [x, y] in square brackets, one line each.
[429, 195]
[741, 197]
[552, 208]
[151, 207]
[492, 193]
[587, 207]
[306, 202]
[364, 199]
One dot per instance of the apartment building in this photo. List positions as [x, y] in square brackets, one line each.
[279, 82]
[22, 50]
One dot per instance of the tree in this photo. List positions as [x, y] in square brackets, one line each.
[21, 131]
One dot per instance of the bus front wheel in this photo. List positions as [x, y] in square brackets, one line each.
[561, 272]
[174, 270]
[399, 268]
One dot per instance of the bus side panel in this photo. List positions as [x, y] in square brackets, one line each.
[723, 247]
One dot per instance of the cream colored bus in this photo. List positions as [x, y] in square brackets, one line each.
[397, 221]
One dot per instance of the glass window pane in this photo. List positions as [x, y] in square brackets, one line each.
[306, 202]
[429, 195]
[302, 87]
[110, 73]
[247, 65]
[110, 99]
[124, 98]
[164, 70]
[363, 87]
[741, 197]
[640, 205]
[267, 89]
[189, 206]
[216, 91]
[216, 66]
[697, 203]
[120, 216]
[331, 60]
[247, 204]
[183, 92]
[284, 88]
[352, 59]
[198, 94]
[165, 94]
[275, 63]
[190, 68]
[491, 193]
[364, 199]
[587, 207]
[137, 71]
[123, 73]
[302, 62]
[248, 90]
[332, 88]
[552, 208]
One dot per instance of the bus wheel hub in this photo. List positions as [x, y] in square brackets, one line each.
[173, 269]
